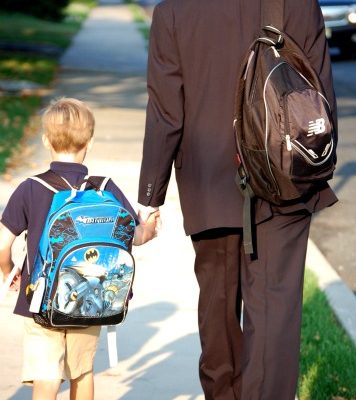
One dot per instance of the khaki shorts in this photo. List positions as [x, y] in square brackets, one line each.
[51, 354]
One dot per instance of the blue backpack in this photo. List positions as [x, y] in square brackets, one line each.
[84, 270]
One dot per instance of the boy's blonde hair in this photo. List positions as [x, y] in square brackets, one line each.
[68, 124]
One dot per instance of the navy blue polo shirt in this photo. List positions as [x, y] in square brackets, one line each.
[27, 210]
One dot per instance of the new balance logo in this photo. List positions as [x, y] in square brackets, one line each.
[316, 127]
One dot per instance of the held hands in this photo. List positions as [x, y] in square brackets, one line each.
[145, 212]
[150, 223]
[153, 224]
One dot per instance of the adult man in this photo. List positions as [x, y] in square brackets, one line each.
[196, 51]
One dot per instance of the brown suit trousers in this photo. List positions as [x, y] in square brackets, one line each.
[259, 362]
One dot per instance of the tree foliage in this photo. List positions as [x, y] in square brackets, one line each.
[44, 9]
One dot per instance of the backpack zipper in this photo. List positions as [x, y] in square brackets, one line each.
[267, 123]
[290, 145]
[286, 124]
[328, 148]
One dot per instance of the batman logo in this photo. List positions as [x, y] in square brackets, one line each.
[91, 255]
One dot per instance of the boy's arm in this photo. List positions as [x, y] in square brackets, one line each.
[6, 264]
[146, 231]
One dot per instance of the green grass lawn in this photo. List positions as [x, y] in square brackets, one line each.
[328, 357]
[15, 111]
[18, 28]
[33, 68]
[14, 116]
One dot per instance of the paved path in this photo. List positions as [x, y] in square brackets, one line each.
[334, 230]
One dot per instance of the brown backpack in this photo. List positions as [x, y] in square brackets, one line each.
[283, 125]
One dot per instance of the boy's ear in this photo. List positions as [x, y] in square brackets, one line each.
[46, 142]
[90, 144]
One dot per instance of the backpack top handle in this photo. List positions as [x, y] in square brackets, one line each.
[97, 183]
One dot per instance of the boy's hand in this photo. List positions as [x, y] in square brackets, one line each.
[153, 223]
[16, 281]
[6, 264]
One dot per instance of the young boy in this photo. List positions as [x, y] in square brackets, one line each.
[52, 355]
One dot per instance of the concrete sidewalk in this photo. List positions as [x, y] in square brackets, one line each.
[158, 345]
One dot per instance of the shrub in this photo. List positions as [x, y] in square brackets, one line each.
[44, 9]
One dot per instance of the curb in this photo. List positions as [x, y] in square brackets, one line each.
[340, 297]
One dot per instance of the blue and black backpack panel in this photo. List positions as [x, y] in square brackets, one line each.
[84, 256]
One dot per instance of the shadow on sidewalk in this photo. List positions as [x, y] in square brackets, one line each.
[138, 328]
[23, 393]
[103, 89]
[171, 363]
[152, 364]
[346, 172]
[145, 366]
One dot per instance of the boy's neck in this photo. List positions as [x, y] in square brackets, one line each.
[69, 157]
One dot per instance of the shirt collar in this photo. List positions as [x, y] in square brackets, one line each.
[65, 167]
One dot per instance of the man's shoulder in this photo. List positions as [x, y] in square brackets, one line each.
[173, 6]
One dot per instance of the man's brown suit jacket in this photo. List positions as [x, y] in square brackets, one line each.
[195, 53]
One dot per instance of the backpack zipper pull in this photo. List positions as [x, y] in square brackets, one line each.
[289, 144]
[277, 55]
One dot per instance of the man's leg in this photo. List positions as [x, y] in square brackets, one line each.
[216, 267]
[272, 289]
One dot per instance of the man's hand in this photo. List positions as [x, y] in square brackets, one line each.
[145, 212]
[150, 224]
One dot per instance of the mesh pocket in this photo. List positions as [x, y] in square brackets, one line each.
[262, 180]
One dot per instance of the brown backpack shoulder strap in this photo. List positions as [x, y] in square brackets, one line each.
[272, 13]
[52, 181]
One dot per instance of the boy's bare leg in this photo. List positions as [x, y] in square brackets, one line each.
[45, 390]
[82, 388]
